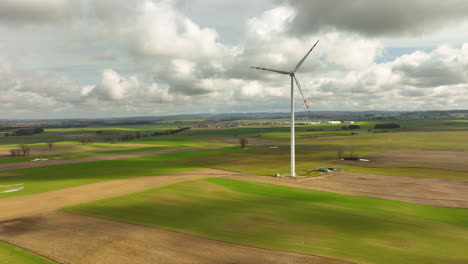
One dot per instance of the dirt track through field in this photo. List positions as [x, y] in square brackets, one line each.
[425, 191]
[69, 238]
[23, 165]
[27, 205]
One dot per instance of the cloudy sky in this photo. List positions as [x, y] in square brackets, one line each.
[116, 58]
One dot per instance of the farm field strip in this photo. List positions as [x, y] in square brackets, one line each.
[356, 229]
[192, 175]
[71, 149]
[423, 159]
[424, 191]
[65, 156]
[18, 207]
[315, 152]
[437, 192]
[119, 128]
[351, 228]
[95, 145]
[125, 155]
[308, 158]
[10, 254]
[398, 140]
[49, 178]
[70, 238]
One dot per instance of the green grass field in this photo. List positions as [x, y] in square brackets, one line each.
[43, 179]
[73, 149]
[10, 254]
[357, 229]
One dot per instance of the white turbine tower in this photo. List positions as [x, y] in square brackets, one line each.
[293, 78]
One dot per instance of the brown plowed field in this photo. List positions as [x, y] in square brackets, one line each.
[77, 239]
[426, 191]
[23, 165]
[445, 160]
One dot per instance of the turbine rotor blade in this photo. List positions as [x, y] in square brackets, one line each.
[305, 57]
[277, 71]
[300, 90]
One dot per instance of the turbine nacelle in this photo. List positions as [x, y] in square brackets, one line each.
[292, 73]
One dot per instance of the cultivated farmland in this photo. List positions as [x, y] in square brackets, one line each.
[199, 189]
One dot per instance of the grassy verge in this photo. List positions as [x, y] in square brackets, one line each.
[10, 254]
[43, 179]
[357, 229]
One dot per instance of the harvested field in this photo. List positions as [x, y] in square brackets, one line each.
[23, 165]
[426, 191]
[456, 161]
[20, 206]
[70, 238]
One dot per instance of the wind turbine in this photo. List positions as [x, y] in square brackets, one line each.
[293, 79]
